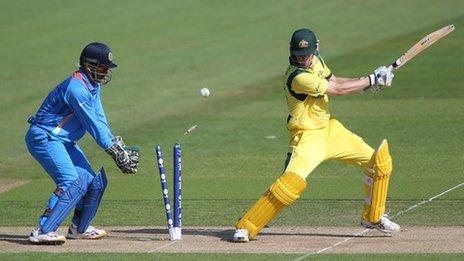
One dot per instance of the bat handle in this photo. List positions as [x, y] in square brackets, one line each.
[394, 65]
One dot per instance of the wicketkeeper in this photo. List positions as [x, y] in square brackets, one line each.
[70, 110]
[314, 136]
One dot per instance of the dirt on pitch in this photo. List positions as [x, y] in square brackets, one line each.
[304, 240]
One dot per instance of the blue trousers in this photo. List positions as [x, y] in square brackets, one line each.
[64, 162]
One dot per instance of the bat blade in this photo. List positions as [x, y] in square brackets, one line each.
[421, 45]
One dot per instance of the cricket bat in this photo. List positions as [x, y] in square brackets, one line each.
[420, 46]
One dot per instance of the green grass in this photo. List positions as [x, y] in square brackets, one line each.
[168, 50]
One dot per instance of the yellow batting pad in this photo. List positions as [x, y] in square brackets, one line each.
[383, 161]
[376, 183]
[283, 192]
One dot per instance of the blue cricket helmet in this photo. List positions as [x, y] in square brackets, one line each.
[97, 60]
[98, 53]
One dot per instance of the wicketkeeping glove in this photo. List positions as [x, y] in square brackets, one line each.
[127, 159]
[133, 153]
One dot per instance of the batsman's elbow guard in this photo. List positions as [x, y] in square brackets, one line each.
[282, 193]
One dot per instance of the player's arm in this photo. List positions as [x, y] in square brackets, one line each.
[343, 79]
[339, 86]
[101, 112]
[310, 84]
[84, 109]
[381, 78]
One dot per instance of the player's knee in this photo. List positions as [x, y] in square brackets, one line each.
[288, 188]
[99, 182]
[66, 200]
[381, 164]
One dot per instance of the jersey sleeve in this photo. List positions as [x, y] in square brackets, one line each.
[309, 84]
[101, 112]
[327, 73]
[81, 103]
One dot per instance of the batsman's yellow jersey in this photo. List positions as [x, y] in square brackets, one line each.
[305, 91]
[314, 136]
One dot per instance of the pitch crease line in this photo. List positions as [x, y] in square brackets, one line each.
[396, 215]
[427, 200]
[161, 247]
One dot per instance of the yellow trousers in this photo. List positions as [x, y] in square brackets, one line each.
[308, 150]
[311, 147]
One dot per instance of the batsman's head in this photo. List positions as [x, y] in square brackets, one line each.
[97, 60]
[303, 45]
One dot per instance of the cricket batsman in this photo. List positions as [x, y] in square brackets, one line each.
[315, 136]
[70, 110]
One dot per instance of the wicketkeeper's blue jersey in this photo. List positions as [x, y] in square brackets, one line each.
[70, 109]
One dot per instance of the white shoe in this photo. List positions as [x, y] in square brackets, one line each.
[385, 225]
[90, 233]
[51, 238]
[241, 236]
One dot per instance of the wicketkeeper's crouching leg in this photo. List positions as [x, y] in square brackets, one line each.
[282, 193]
[63, 201]
[80, 227]
[377, 176]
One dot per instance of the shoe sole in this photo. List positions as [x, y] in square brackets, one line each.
[388, 232]
[379, 229]
[87, 238]
[240, 240]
